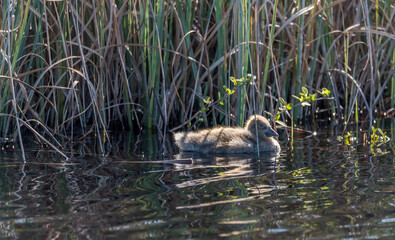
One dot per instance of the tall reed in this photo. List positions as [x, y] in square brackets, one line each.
[71, 68]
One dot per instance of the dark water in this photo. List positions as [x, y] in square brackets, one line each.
[319, 189]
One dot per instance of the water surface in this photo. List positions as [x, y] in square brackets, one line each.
[317, 188]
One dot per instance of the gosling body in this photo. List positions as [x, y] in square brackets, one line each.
[231, 139]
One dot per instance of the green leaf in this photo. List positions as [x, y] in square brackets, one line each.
[305, 90]
[381, 132]
[347, 138]
[325, 92]
[234, 80]
[289, 106]
[204, 109]
[228, 91]
[283, 102]
[313, 97]
[296, 97]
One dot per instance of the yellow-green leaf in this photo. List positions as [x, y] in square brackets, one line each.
[281, 123]
[305, 91]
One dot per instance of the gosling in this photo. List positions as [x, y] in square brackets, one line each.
[231, 139]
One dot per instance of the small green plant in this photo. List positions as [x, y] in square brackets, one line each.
[305, 98]
[378, 137]
[241, 81]
[324, 92]
[347, 139]
[228, 90]
[208, 102]
[204, 108]
[237, 82]
[284, 107]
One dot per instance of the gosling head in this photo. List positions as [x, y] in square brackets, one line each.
[262, 125]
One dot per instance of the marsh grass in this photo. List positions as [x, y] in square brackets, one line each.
[71, 68]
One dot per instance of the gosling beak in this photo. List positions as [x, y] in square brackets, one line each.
[271, 133]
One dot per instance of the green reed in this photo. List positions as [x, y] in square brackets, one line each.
[222, 41]
[241, 27]
[393, 81]
[268, 55]
[90, 66]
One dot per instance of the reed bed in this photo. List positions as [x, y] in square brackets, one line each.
[71, 68]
